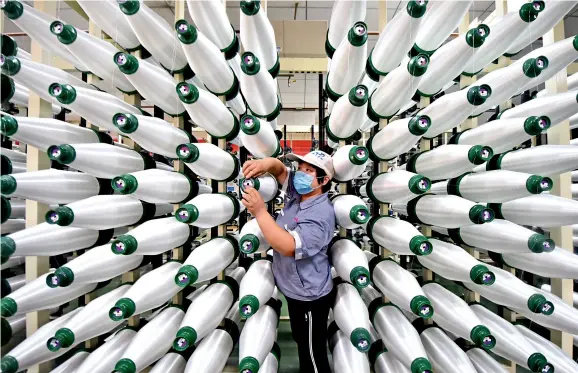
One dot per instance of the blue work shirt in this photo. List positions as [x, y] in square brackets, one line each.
[307, 275]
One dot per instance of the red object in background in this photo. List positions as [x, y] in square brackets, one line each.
[300, 147]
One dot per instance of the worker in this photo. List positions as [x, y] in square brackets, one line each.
[300, 238]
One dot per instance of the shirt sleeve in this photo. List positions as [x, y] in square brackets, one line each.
[311, 236]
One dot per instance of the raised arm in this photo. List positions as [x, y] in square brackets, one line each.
[258, 167]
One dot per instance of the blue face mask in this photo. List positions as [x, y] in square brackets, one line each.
[302, 182]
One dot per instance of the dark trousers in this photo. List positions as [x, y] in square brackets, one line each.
[309, 329]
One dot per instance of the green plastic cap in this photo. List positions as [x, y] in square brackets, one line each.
[421, 365]
[479, 154]
[8, 185]
[475, 37]
[359, 214]
[477, 95]
[64, 93]
[480, 214]
[63, 154]
[537, 243]
[250, 125]
[7, 246]
[129, 7]
[188, 93]
[250, 183]
[127, 63]
[123, 309]
[537, 303]
[360, 277]
[187, 214]
[13, 10]
[8, 125]
[539, 364]
[419, 125]
[66, 34]
[9, 364]
[124, 245]
[248, 305]
[125, 365]
[357, 35]
[10, 65]
[187, 275]
[417, 65]
[62, 277]
[188, 153]
[358, 95]
[250, 64]
[419, 184]
[248, 244]
[421, 306]
[8, 307]
[481, 275]
[481, 336]
[6, 163]
[63, 338]
[535, 125]
[533, 66]
[529, 11]
[416, 8]
[7, 89]
[361, 339]
[186, 337]
[420, 245]
[62, 216]
[538, 184]
[125, 122]
[250, 7]
[248, 365]
[5, 331]
[8, 46]
[124, 184]
[186, 32]
[358, 155]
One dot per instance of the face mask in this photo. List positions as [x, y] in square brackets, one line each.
[302, 182]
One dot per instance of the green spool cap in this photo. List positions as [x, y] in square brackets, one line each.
[7, 89]
[538, 184]
[64, 93]
[125, 122]
[358, 155]
[250, 183]
[417, 65]
[248, 305]
[477, 95]
[359, 214]
[250, 7]
[419, 184]
[421, 306]
[124, 184]
[186, 337]
[420, 245]
[62, 216]
[188, 93]
[63, 338]
[529, 11]
[479, 154]
[537, 243]
[9, 125]
[358, 95]
[539, 364]
[8, 46]
[10, 65]
[250, 64]
[248, 244]
[63, 154]
[187, 275]
[13, 10]
[127, 63]
[248, 365]
[360, 277]
[8, 307]
[537, 303]
[187, 214]
[6, 209]
[480, 214]
[188, 153]
[416, 8]
[421, 365]
[66, 34]
[5, 332]
[186, 32]
[361, 339]
[123, 309]
[125, 365]
[419, 125]
[533, 66]
[7, 247]
[535, 125]
[481, 275]
[476, 36]
[9, 364]
[62, 277]
[357, 35]
[129, 7]
[124, 245]
[250, 125]
[481, 336]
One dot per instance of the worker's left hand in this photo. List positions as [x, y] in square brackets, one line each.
[254, 202]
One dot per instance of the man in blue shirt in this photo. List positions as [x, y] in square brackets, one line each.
[300, 238]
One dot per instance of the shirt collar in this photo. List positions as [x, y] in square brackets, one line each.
[313, 201]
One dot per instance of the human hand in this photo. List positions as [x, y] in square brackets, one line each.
[253, 201]
[255, 168]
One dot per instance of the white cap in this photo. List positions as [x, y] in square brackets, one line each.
[316, 158]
